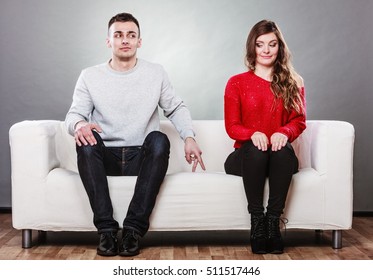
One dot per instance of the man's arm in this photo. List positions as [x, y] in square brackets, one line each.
[81, 107]
[177, 112]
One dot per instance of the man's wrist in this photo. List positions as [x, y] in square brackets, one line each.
[79, 124]
[189, 137]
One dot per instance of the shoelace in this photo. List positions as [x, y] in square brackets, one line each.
[274, 226]
[130, 234]
[259, 229]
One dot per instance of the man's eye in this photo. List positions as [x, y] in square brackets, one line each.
[117, 35]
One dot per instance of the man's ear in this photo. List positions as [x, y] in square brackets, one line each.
[108, 43]
[139, 43]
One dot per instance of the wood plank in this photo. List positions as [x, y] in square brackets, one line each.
[233, 245]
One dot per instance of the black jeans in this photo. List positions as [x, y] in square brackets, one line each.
[255, 166]
[148, 162]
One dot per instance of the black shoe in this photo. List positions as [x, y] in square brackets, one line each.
[275, 244]
[108, 244]
[130, 243]
[258, 233]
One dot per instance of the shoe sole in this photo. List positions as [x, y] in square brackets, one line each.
[128, 254]
[276, 252]
[260, 252]
[107, 254]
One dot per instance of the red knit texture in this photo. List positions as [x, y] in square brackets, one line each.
[250, 106]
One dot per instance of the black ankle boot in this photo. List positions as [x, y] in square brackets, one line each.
[275, 244]
[258, 233]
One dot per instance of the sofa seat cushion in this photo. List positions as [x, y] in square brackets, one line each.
[187, 201]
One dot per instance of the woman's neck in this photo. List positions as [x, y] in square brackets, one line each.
[265, 73]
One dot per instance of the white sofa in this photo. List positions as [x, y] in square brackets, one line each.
[47, 194]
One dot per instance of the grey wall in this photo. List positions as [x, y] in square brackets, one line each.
[45, 44]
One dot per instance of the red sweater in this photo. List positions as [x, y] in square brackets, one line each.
[250, 106]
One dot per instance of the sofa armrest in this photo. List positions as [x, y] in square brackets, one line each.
[334, 158]
[33, 149]
[33, 156]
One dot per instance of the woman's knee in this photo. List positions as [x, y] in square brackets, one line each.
[251, 152]
[286, 155]
[286, 151]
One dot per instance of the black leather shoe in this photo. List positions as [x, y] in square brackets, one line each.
[130, 244]
[108, 244]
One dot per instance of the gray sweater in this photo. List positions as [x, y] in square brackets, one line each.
[125, 104]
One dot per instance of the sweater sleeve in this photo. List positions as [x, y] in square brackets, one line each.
[296, 122]
[175, 109]
[232, 114]
[81, 106]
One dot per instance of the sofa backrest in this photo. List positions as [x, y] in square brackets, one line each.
[211, 138]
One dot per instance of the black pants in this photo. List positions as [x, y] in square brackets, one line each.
[149, 162]
[255, 166]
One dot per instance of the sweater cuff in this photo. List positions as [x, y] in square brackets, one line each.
[286, 132]
[188, 133]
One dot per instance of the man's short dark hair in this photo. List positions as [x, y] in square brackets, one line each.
[124, 17]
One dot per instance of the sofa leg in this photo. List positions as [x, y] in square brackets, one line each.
[26, 238]
[337, 239]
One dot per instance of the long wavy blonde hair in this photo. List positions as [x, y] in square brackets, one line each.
[283, 82]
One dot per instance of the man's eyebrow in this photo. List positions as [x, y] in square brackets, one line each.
[128, 32]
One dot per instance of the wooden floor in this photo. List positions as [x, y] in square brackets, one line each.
[300, 245]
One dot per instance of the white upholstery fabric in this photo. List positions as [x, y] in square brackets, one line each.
[47, 193]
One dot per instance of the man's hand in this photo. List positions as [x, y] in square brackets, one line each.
[278, 140]
[83, 133]
[193, 154]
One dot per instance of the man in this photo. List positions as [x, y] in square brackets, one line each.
[114, 119]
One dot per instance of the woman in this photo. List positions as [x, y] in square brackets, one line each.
[264, 112]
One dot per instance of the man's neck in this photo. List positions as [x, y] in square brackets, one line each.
[122, 65]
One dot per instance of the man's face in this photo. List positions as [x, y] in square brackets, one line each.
[124, 40]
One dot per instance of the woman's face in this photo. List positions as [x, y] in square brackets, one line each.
[266, 48]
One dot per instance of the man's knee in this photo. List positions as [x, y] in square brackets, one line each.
[158, 142]
[87, 150]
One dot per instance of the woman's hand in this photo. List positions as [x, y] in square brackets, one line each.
[260, 140]
[278, 140]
